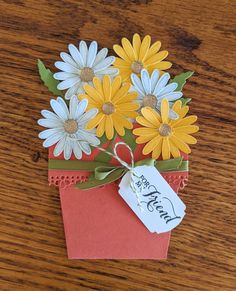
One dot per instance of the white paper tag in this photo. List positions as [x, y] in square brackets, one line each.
[162, 209]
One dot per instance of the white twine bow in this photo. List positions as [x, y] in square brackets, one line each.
[131, 168]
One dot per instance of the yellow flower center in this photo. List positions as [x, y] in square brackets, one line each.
[70, 126]
[165, 130]
[86, 74]
[136, 67]
[150, 101]
[108, 108]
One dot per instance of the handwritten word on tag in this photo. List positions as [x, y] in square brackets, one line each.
[160, 208]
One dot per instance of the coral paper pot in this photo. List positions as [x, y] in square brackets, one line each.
[99, 224]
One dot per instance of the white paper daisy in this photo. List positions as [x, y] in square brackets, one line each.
[153, 89]
[66, 128]
[81, 65]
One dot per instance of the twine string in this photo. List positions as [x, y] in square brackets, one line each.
[131, 168]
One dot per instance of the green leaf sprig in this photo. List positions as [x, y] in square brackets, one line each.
[47, 77]
[181, 81]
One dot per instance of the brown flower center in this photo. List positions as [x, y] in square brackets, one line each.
[86, 74]
[70, 126]
[150, 100]
[165, 130]
[136, 67]
[108, 108]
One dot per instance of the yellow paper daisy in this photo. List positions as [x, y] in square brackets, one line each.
[138, 55]
[114, 103]
[163, 135]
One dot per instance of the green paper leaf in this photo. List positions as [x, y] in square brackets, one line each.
[102, 156]
[185, 101]
[181, 80]
[47, 77]
[103, 139]
[129, 139]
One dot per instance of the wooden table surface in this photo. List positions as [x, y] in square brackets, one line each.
[200, 36]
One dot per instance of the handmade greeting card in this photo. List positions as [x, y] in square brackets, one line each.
[118, 136]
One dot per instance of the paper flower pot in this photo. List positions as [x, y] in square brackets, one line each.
[114, 201]
[100, 225]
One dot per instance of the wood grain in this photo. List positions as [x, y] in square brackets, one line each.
[200, 36]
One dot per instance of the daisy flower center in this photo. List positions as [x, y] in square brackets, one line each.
[70, 126]
[108, 108]
[150, 101]
[86, 74]
[136, 67]
[165, 130]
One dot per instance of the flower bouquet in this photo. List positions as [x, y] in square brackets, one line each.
[118, 140]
